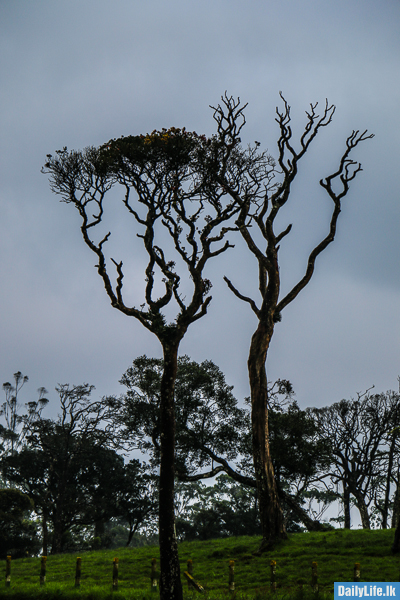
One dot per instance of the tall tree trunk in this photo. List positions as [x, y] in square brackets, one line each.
[99, 529]
[363, 509]
[271, 515]
[396, 541]
[58, 523]
[45, 532]
[385, 513]
[396, 504]
[346, 506]
[56, 542]
[170, 579]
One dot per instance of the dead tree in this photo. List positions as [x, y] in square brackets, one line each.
[261, 201]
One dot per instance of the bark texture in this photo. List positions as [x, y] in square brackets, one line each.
[363, 509]
[45, 532]
[346, 507]
[271, 515]
[396, 505]
[170, 579]
[396, 541]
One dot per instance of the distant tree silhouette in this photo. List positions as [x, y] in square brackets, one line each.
[363, 436]
[60, 461]
[17, 423]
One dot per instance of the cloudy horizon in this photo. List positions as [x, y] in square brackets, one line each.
[78, 73]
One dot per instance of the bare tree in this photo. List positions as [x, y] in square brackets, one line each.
[261, 201]
[180, 212]
[363, 435]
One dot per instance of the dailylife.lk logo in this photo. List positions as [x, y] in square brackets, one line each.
[367, 590]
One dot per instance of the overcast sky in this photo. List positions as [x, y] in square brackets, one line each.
[79, 72]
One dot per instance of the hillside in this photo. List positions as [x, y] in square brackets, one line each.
[334, 551]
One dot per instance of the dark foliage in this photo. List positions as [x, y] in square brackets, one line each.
[17, 534]
[208, 419]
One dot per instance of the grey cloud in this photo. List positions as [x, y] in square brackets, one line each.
[79, 73]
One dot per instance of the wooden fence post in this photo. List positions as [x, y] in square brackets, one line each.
[192, 583]
[357, 570]
[231, 575]
[153, 575]
[190, 571]
[43, 570]
[314, 576]
[273, 575]
[8, 571]
[115, 574]
[78, 572]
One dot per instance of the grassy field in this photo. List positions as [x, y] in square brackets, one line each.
[335, 552]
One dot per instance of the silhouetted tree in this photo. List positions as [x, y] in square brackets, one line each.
[181, 191]
[61, 459]
[137, 497]
[362, 434]
[261, 201]
[17, 424]
[169, 183]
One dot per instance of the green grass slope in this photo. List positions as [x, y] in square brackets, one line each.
[334, 551]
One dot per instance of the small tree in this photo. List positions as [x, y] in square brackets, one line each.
[61, 460]
[261, 202]
[17, 424]
[181, 213]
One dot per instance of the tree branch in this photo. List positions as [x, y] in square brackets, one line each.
[345, 177]
[242, 297]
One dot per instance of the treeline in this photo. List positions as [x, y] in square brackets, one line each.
[68, 482]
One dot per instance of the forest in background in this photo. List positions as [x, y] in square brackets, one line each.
[69, 483]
